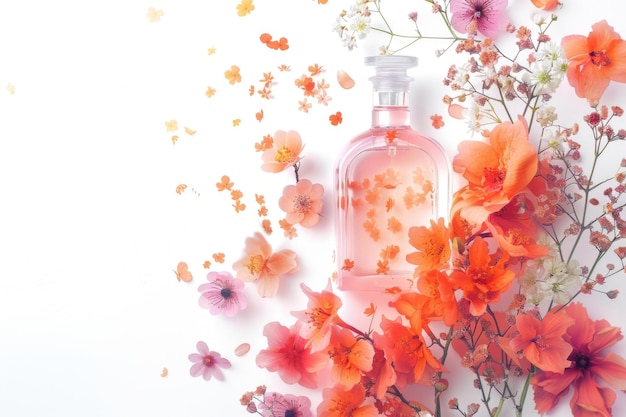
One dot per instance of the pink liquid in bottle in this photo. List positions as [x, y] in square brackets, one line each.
[387, 179]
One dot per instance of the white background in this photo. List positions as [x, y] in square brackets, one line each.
[90, 223]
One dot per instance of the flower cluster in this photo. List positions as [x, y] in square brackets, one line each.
[502, 282]
[273, 404]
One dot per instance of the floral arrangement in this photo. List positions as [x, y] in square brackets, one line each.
[499, 292]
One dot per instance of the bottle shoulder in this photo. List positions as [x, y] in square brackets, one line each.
[404, 137]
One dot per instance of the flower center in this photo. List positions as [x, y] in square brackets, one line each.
[226, 293]
[302, 203]
[256, 264]
[291, 413]
[208, 361]
[494, 178]
[283, 155]
[599, 58]
[317, 317]
[582, 362]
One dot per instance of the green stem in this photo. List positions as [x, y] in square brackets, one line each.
[522, 398]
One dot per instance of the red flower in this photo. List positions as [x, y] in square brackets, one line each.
[482, 282]
[589, 364]
[287, 355]
[595, 60]
[542, 340]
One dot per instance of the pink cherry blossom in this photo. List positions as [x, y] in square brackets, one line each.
[207, 363]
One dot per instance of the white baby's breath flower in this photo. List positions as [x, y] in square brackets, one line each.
[543, 77]
[546, 116]
[552, 141]
[560, 280]
[539, 19]
[360, 25]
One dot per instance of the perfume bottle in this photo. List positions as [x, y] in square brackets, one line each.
[387, 179]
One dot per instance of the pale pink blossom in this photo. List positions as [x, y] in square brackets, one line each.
[486, 17]
[207, 363]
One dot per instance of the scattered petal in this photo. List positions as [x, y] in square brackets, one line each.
[437, 121]
[180, 188]
[232, 75]
[182, 272]
[224, 184]
[336, 118]
[345, 81]
[242, 349]
[154, 15]
[189, 131]
[164, 373]
[245, 7]
[171, 126]
[315, 70]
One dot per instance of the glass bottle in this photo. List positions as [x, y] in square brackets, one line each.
[387, 179]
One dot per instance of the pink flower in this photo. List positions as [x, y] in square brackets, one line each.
[288, 355]
[277, 405]
[222, 294]
[207, 363]
[484, 16]
[263, 266]
[589, 364]
[285, 151]
[302, 203]
[318, 319]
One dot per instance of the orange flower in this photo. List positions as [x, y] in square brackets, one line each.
[259, 264]
[319, 317]
[432, 245]
[515, 230]
[595, 60]
[435, 284]
[350, 357]
[542, 340]
[482, 282]
[546, 5]
[232, 75]
[496, 171]
[435, 301]
[409, 353]
[285, 151]
[338, 402]
[302, 203]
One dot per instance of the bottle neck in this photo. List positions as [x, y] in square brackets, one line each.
[391, 109]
